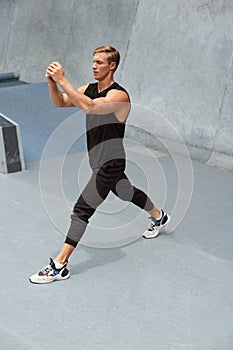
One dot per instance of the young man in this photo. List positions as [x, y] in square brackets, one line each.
[107, 106]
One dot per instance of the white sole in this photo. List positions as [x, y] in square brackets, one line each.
[149, 237]
[46, 281]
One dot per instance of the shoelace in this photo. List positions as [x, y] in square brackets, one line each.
[152, 226]
[154, 223]
[46, 269]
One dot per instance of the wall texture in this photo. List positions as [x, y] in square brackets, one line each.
[176, 61]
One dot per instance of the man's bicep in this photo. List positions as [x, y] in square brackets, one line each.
[114, 101]
[113, 98]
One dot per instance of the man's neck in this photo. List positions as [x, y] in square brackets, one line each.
[104, 84]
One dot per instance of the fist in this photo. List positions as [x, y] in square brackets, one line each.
[55, 72]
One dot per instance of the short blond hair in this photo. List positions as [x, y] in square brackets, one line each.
[112, 53]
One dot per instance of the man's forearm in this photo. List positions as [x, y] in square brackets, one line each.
[55, 94]
[76, 97]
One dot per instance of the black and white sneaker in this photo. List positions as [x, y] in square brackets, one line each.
[50, 273]
[156, 225]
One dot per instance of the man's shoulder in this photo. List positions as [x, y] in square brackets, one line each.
[90, 88]
[118, 87]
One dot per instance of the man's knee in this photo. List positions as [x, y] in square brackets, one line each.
[125, 190]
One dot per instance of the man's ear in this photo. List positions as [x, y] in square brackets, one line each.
[113, 65]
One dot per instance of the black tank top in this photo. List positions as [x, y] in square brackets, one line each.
[104, 132]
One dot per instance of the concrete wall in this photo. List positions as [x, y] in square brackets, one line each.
[34, 33]
[176, 61]
[185, 71]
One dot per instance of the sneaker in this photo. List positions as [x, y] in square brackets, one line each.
[156, 225]
[50, 273]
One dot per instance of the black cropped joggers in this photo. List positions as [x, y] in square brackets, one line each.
[110, 177]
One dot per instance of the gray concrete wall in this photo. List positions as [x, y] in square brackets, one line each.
[185, 54]
[176, 61]
[34, 33]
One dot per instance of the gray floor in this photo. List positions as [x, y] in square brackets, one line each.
[173, 292]
[170, 293]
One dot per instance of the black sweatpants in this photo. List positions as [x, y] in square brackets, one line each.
[110, 177]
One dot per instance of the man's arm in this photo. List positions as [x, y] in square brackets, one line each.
[58, 98]
[115, 100]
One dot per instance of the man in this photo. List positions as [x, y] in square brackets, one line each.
[107, 106]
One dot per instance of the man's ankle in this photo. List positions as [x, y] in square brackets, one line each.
[59, 263]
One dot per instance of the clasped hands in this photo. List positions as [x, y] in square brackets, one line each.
[55, 72]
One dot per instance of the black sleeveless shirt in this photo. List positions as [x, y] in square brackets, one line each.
[104, 132]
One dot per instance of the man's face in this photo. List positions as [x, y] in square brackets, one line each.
[101, 68]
